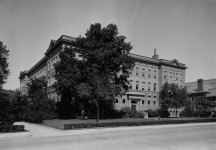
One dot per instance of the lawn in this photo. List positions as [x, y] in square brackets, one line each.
[59, 123]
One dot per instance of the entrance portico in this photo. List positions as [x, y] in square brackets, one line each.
[134, 100]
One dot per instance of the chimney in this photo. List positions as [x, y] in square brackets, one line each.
[155, 56]
[200, 85]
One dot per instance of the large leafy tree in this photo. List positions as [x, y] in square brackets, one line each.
[178, 97]
[173, 96]
[4, 71]
[102, 72]
[6, 115]
[39, 107]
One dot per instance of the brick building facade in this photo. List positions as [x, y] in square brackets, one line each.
[146, 78]
[205, 89]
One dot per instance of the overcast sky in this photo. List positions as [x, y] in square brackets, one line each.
[179, 29]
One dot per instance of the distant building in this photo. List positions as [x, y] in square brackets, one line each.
[202, 89]
[146, 78]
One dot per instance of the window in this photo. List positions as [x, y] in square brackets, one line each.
[137, 85]
[149, 75]
[173, 76]
[48, 81]
[154, 102]
[137, 73]
[143, 74]
[155, 86]
[51, 64]
[142, 101]
[170, 75]
[148, 102]
[143, 86]
[130, 72]
[181, 76]
[123, 101]
[116, 101]
[176, 76]
[149, 69]
[143, 69]
[131, 82]
[165, 74]
[149, 86]
[137, 67]
[48, 66]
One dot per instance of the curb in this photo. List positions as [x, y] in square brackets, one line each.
[4, 136]
[123, 128]
[95, 130]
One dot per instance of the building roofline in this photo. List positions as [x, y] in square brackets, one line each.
[37, 64]
[62, 38]
[203, 80]
[157, 61]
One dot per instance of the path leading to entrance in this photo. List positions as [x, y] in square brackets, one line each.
[40, 131]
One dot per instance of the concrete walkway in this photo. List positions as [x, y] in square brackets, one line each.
[36, 130]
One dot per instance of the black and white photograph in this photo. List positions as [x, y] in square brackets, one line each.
[107, 74]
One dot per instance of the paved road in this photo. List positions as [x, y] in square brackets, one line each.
[195, 137]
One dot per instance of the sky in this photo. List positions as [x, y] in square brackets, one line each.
[179, 29]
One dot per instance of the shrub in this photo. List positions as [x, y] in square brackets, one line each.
[12, 128]
[34, 117]
[152, 113]
[205, 114]
[201, 113]
[141, 123]
[127, 112]
[137, 115]
[163, 113]
[214, 115]
[187, 112]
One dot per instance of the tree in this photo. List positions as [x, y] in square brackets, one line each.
[6, 117]
[39, 107]
[204, 103]
[4, 71]
[102, 72]
[164, 100]
[173, 96]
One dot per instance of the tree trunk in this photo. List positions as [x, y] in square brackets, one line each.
[97, 111]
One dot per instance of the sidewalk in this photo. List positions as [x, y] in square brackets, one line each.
[36, 130]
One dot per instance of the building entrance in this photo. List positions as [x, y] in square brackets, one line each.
[134, 105]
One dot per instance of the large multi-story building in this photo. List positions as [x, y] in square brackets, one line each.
[146, 78]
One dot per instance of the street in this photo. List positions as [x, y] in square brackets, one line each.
[194, 137]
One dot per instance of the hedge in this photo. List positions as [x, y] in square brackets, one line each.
[141, 123]
[12, 128]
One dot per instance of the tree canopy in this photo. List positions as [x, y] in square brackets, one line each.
[102, 70]
[204, 103]
[4, 71]
[39, 106]
[173, 96]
